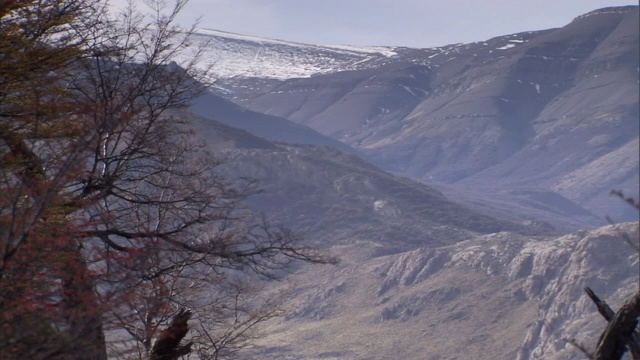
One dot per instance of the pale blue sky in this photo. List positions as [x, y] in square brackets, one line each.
[416, 23]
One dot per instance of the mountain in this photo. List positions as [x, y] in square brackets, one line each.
[553, 111]
[499, 139]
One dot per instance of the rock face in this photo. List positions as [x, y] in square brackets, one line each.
[554, 110]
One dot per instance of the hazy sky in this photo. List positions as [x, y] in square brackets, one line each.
[417, 23]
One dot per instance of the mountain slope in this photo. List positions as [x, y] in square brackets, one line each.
[266, 126]
[340, 198]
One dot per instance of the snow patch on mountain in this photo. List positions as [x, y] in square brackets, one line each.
[230, 55]
[508, 46]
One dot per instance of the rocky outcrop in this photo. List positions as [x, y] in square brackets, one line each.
[495, 296]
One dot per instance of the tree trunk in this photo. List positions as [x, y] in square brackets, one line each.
[83, 313]
[620, 331]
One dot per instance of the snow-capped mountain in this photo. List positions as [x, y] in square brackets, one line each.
[546, 111]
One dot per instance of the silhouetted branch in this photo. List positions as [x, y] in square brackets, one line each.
[168, 346]
[603, 308]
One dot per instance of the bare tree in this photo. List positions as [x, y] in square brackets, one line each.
[113, 217]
